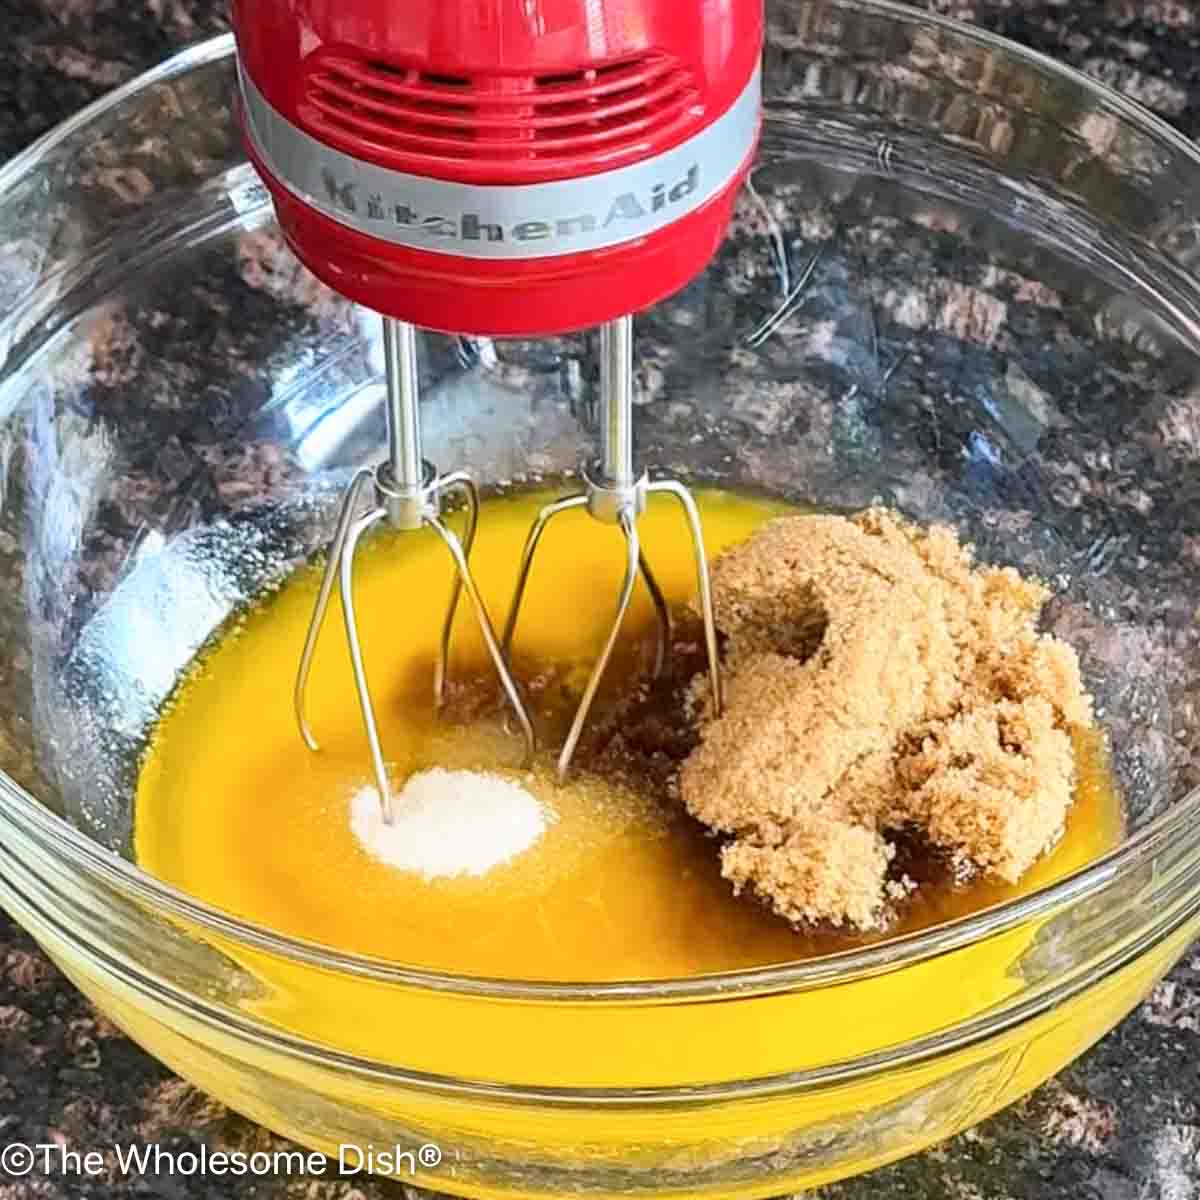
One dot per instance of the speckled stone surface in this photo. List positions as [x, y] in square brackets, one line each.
[1122, 1122]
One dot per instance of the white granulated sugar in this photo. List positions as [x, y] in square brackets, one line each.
[448, 823]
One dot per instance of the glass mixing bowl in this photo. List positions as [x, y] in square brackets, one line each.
[961, 282]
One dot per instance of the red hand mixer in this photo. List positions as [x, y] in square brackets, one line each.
[500, 167]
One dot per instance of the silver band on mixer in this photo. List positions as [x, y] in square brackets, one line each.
[511, 221]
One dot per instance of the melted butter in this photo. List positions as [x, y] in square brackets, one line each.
[234, 810]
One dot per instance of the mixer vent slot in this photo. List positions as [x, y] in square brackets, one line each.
[606, 112]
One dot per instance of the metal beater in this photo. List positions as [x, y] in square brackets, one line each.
[408, 493]
[615, 493]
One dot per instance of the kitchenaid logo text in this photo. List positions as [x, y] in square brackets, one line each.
[347, 197]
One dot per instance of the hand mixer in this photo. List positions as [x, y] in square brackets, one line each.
[501, 167]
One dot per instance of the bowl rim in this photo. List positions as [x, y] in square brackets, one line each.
[29, 814]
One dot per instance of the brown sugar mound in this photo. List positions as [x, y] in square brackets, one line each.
[821, 867]
[875, 680]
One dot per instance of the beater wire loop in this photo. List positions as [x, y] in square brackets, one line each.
[356, 659]
[662, 651]
[672, 487]
[332, 559]
[458, 553]
[531, 544]
[633, 554]
[462, 482]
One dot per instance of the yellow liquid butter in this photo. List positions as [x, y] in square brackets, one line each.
[619, 887]
[233, 809]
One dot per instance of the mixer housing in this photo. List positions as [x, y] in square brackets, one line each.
[501, 167]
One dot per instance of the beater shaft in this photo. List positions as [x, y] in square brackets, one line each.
[616, 413]
[408, 494]
[403, 408]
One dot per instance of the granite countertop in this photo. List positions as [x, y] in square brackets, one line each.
[1122, 1122]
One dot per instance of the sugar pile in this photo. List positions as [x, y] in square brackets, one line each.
[449, 823]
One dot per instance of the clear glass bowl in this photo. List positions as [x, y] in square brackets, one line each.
[978, 270]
